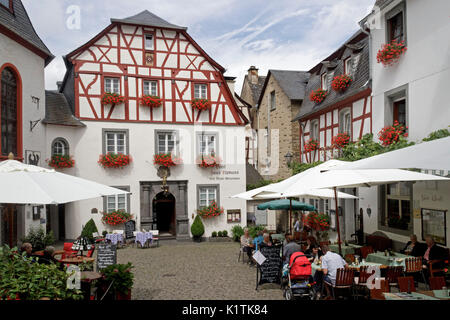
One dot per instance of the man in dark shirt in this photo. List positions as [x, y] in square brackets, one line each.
[290, 248]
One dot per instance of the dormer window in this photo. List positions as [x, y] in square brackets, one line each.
[323, 81]
[395, 24]
[348, 66]
[7, 4]
[149, 43]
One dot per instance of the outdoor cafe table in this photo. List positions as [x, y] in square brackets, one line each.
[378, 257]
[143, 237]
[419, 295]
[114, 237]
[346, 249]
[318, 267]
[77, 260]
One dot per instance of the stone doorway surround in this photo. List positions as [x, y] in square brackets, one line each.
[178, 188]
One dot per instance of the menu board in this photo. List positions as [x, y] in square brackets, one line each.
[130, 227]
[106, 255]
[271, 267]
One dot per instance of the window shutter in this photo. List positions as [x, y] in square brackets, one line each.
[330, 76]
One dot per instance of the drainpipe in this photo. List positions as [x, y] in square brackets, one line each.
[361, 26]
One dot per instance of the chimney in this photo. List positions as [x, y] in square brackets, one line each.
[253, 75]
[59, 84]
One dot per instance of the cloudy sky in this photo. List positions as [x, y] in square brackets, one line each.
[270, 34]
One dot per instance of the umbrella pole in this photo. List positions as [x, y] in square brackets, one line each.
[337, 220]
[290, 215]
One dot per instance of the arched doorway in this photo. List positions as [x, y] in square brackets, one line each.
[164, 210]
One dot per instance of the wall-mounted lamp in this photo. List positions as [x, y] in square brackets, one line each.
[288, 157]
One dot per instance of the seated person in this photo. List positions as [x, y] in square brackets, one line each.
[266, 240]
[48, 257]
[27, 248]
[414, 248]
[290, 247]
[310, 241]
[331, 262]
[246, 243]
[257, 241]
[315, 254]
[270, 237]
[433, 252]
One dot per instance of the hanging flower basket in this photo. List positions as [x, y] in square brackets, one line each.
[210, 211]
[318, 95]
[151, 101]
[112, 98]
[390, 53]
[59, 161]
[340, 140]
[201, 104]
[208, 161]
[116, 217]
[114, 160]
[311, 145]
[341, 82]
[166, 160]
[392, 134]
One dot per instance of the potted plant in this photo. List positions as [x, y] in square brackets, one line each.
[208, 161]
[166, 160]
[112, 98]
[213, 210]
[116, 217]
[341, 82]
[61, 161]
[390, 53]
[392, 134]
[340, 140]
[114, 160]
[237, 232]
[311, 145]
[123, 279]
[197, 229]
[200, 104]
[318, 222]
[318, 95]
[214, 234]
[225, 233]
[88, 230]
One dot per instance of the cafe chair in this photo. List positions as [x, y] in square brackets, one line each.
[241, 253]
[406, 284]
[392, 275]
[413, 267]
[365, 251]
[361, 282]
[437, 283]
[68, 252]
[344, 281]
[377, 294]
[437, 267]
[349, 258]
[155, 234]
[90, 253]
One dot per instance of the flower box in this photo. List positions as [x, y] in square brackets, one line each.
[341, 82]
[392, 134]
[340, 140]
[112, 98]
[213, 210]
[59, 161]
[166, 160]
[114, 160]
[151, 101]
[201, 104]
[208, 161]
[116, 217]
[390, 53]
[318, 95]
[311, 145]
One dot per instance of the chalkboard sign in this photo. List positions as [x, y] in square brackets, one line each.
[271, 268]
[130, 227]
[106, 255]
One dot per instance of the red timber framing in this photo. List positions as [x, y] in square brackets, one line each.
[333, 125]
[175, 80]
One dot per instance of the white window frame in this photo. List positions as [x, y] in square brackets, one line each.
[166, 142]
[115, 142]
[208, 191]
[111, 84]
[200, 91]
[116, 202]
[150, 87]
[348, 66]
[152, 47]
[208, 149]
[344, 127]
[324, 81]
[59, 145]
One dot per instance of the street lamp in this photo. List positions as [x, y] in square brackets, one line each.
[288, 157]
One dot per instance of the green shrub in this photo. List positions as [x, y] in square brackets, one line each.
[104, 233]
[253, 230]
[122, 276]
[214, 234]
[220, 234]
[237, 232]
[225, 233]
[38, 239]
[88, 230]
[438, 134]
[197, 227]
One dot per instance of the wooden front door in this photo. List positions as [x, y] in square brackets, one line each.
[9, 223]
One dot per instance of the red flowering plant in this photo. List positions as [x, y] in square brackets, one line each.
[166, 160]
[116, 217]
[112, 98]
[201, 104]
[317, 221]
[318, 95]
[340, 140]
[114, 160]
[392, 134]
[151, 101]
[213, 210]
[390, 53]
[341, 82]
[61, 161]
[208, 161]
[311, 145]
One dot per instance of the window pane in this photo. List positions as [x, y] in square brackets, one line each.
[149, 42]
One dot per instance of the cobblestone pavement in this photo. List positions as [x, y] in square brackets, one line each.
[194, 271]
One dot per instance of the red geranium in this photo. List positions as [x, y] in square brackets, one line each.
[318, 95]
[112, 98]
[311, 145]
[151, 101]
[114, 160]
[213, 210]
[166, 160]
[317, 221]
[208, 161]
[116, 217]
[340, 140]
[392, 134]
[341, 82]
[391, 52]
[59, 161]
[201, 104]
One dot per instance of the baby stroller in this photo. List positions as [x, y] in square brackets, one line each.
[299, 282]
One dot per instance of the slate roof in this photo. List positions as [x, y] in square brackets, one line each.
[19, 23]
[293, 83]
[361, 76]
[252, 175]
[256, 89]
[57, 110]
[146, 18]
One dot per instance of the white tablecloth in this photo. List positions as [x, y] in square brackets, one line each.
[114, 237]
[142, 237]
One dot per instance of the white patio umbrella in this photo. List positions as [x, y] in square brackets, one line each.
[433, 155]
[26, 184]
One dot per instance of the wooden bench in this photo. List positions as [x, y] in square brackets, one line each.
[379, 243]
